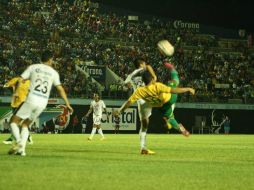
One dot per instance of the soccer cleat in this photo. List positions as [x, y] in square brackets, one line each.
[8, 141]
[30, 140]
[14, 149]
[102, 138]
[90, 139]
[168, 66]
[184, 131]
[148, 152]
[22, 153]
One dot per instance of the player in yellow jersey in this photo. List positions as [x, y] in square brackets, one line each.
[17, 100]
[156, 95]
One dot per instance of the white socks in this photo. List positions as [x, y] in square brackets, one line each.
[20, 138]
[92, 133]
[24, 137]
[142, 140]
[100, 132]
[15, 131]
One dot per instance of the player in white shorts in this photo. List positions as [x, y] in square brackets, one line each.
[135, 80]
[42, 76]
[97, 107]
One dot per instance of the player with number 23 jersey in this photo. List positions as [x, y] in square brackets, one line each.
[42, 77]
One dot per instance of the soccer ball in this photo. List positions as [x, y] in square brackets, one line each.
[166, 47]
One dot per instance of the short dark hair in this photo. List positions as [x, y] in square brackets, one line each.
[98, 94]
[137, 62]
[147, 77]
[46, 55]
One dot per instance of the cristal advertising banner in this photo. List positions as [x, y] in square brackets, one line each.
[128, 120]
[51, 119]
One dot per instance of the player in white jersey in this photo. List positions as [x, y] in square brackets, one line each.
[42, 77]
[135, 80]
[97, 107]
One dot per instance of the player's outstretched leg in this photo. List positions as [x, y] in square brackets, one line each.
[183, 130]
[175, 80]
[172, 123]
[168, 65]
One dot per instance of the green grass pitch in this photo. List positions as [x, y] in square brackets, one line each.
[69, 161]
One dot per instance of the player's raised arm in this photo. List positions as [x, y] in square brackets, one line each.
[62, 93]
[133, 74]
[123, 107]
[151, 71]
[134, 98]
[182, 90]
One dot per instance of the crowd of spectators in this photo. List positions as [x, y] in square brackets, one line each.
[80, 31]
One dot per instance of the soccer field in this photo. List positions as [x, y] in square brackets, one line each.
[57, 161]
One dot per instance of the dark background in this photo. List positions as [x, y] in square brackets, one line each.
[241, 120]
[234, 14]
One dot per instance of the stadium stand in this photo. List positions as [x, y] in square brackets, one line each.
[221, 69]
